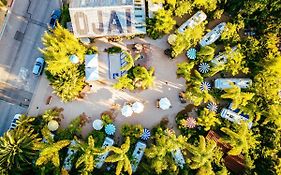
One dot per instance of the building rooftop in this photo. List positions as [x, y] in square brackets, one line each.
[99, 3]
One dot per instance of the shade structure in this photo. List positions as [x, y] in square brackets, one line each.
[91, 60]
[205, 86]
[146, 134]
[172, 39]
[74, 59]
[53, 125]
[164, 103]
[137, 107]
[212, 106]
[204, 68]
[191, 53]
[98, 124]
[91, 74]
[110, 129]
[127, 111]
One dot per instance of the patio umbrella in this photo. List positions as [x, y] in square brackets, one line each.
[98, 124]
[110, 129]
[127, 111]
[137, 107]
[204, 68]
[205, 86]
[74, 59]
[191, 53]
[190, 122]
[164, 103]
[53, 125]
[212, 106]
[172, 39]
[146, 134]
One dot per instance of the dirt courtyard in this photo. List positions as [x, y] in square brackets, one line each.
[104, 95]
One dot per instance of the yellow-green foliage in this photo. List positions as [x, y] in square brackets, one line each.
[207, 119]
[189, 38]
[241, 139]
[120, 156]
[164, 21]
[58, 46]
[238, 98]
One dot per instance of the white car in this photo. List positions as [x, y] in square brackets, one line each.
[195, 20]
[222, 58]
[213, 35]
[67, 164]
[225, 83]
[38, 66]
[14, 122]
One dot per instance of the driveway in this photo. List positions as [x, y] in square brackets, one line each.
[19, 42]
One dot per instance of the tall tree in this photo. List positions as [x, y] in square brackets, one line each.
[59, 45]
[160, 153]
[120, 156]
[241, 139]
[49, 150]
[124, 82]
[164, 21]
[184, 70]
[87, 159]
[17, 149]
[202, 156]
[238, 98]
[207, 119]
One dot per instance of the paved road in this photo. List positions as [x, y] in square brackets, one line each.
[19, 45]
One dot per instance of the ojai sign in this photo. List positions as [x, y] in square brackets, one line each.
[102, 21]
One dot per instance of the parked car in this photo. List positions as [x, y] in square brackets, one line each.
[38, 66]
[55, 16]
[213, 35]
[234, 117]
[14, 122]
[225, 83]
[250, 32]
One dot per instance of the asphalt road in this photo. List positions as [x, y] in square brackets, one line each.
[20, 39]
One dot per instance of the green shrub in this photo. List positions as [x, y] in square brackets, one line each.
[114, 49]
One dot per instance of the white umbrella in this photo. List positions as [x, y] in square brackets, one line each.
[97, 124]
[127, 111]
[164, 103]
[53, 125]
[137, 107]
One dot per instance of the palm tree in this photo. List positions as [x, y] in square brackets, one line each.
[202, 155]
[241, 139]
[120, 156]
[160, 153]
[53, 114]
[124, 82]
[207, 119]
[238, 97]
[17, 148]
[184, 70]
[49, 149]
[87, 158]
[206, 53]
[143, 77]
[130, 61]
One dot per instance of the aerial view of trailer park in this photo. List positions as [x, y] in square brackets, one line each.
[143, 87]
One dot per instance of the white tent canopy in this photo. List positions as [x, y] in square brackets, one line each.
[91, 60]
[91, 74]
[164, 103]
[137, 107]
[127, 111]
[91, 67]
